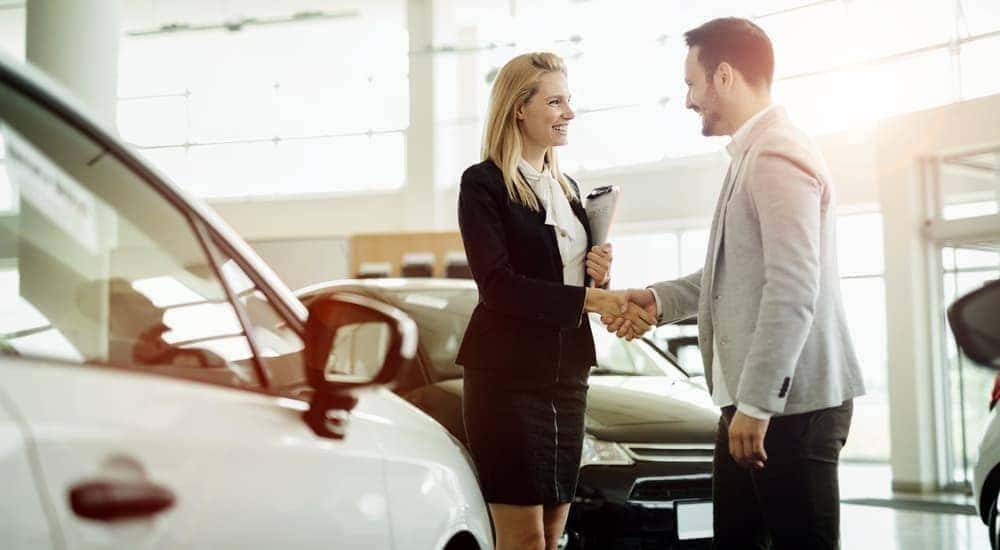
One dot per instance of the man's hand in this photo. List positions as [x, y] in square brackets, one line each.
[746, 440]
[625, 326]
[599, 264]
[639, 321]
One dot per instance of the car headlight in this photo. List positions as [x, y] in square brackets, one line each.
[603, 453]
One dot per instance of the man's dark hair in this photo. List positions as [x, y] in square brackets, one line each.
[738, 42]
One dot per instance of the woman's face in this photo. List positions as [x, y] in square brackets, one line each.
[544, 119]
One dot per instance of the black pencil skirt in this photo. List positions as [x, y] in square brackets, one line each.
[525, 443]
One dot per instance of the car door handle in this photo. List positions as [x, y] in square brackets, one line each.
[109, 500]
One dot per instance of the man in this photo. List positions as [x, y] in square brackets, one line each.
[771, 324]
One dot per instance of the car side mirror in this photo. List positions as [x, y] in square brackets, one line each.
[352, 342]
[975, 322]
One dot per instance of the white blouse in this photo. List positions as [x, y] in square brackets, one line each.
[571, 236]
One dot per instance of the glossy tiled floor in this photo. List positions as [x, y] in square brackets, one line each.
[884, 528]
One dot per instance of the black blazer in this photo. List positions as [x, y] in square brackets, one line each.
[528, 328]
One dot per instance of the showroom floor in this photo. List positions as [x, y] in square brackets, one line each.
[873, 517]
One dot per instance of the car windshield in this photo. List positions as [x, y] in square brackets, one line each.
[442, 315]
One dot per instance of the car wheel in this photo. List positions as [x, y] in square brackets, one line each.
[994, 524]
[462, 541]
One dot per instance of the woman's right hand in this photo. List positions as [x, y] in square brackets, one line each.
[612, 303]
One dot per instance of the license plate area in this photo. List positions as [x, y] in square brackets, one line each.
[694, 519]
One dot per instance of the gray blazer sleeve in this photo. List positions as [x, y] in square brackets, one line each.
[679, 298]
[787, 198]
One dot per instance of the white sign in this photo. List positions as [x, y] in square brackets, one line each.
[41, 183]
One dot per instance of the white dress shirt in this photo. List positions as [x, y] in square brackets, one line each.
[720, 392]
[571, 236]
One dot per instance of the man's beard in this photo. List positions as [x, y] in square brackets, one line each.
[710, 113]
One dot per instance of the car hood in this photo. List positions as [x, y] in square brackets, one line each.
[647, 409]
[650, 409]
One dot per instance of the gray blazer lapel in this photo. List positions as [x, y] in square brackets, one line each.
[718, 227]
[708, 277]
[705, 313]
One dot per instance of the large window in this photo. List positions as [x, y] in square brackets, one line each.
[646, 258]
[316, 100]
[311, 102]
[838, 67]
[862, 282]
[966, 187]
[642, 259]
[965, 269]
[961, 186]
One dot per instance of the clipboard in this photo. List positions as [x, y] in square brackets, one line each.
[601, 205]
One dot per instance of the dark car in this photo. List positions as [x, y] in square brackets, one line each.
[645, 479]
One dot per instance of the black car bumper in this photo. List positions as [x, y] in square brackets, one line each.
[632, 507]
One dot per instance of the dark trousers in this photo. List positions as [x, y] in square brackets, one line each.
[794, 502]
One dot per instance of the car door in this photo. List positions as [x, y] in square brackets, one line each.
[23, 521]
[203, 466]
[143, 385]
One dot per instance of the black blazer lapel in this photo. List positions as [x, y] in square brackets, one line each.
[581, 214]
[580, 211]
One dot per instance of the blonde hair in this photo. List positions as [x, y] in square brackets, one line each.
[514, 86]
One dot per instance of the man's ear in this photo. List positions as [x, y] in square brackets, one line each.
[724, 76]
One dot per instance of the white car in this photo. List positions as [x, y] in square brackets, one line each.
[986, 479]
[161, 388]
[975, 322]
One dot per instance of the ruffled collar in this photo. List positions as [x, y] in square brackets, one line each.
[557, 209]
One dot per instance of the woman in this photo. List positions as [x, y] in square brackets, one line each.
[528, 348]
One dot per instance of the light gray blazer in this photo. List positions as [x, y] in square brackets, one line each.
[770, 288]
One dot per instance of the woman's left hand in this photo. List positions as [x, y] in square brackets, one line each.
[599, 264]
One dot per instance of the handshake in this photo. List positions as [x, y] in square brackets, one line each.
[628, 313]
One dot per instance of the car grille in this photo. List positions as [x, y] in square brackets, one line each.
[665, 489]
[670, 452]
